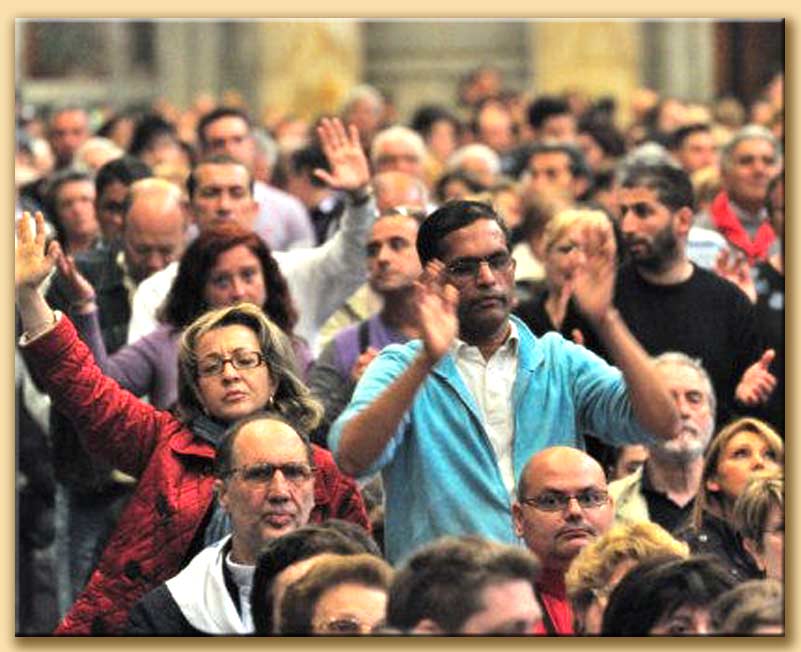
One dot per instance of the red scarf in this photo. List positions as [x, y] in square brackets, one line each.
[730, 227]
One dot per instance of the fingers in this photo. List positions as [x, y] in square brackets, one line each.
[767, 358]
[324, 176]
[353, 130]
[577, 336]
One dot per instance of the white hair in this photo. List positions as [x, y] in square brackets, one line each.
[397, 133]
[475, 150]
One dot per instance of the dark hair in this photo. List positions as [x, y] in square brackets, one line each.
[443, 581]
[761, 591]
[425, 117]
[651, 591]
[217, 114]
[608, 137]
[224, 456]
[545, 107]
[125, 169]
[279, 554]
[54, 184]
[473, 185]
[671, 184]
[147, 129]
[301, 596]
[449, 217]
[214, 159]
[306, 159]
[185, 302]
[678, 136]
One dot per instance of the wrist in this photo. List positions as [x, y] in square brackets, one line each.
[606, 319]
[360, 195]
[84, 305]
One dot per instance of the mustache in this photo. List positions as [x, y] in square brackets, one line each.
[498, 296]
[588, 529]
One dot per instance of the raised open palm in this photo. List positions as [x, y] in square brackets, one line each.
[436, 305]
[31, 263]
[349, 168]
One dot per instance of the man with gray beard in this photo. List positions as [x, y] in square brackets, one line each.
[664, 489]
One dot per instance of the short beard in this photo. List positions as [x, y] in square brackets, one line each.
[662, 252]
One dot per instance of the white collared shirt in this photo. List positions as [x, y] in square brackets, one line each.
[491, 382]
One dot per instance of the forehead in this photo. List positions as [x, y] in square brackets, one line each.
[225, 339]
[238, 255]
[544, 160]
[752, 146]
[698, 138]
[565, 473]
[397, 146]
[82, 186]
[210, 174]
[266, 440]
[114, 191]
[229, 125]
[749, 438]
[681, 375]
[638, 195]
[69, 119]
[394, 226]
[479, 238]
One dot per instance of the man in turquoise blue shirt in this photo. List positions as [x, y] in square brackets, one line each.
[451, 418]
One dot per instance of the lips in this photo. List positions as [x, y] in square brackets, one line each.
[575, 533]
[279, 520]
[232, 397]
[490, 301]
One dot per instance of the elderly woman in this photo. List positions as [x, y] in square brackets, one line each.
[743, 449]
[233, 362]
[224, 265]
[338, 595]
[599, 567]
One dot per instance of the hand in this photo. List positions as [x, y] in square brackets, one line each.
[80, 292]
[757, 383]
[577, 336]
[735, 267]
[361, 363]
[594, 279]
[349, 168]
[31, 263]
[436, 310]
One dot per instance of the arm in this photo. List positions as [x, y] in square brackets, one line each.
[593, 290]
[364, 437]
[331, 389]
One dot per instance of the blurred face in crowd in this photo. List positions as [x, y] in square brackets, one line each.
[629, 460]
[559, 128]
[222, 191]
[270, 490]
[563, 258]
[745, 454]
[689, 393]
[687, 620]
[230, 135]
[486, 287]
[154, 235]
[236, 276]
[564, 505]
[349, 608]
[753, 164]
[441, 141]
[400, 156]
[650, 230]
[592, 618]
[509, 607]
[75, 205]
[111, 210]
[549, 175]
[698, 150]
[770, 555]
[392, 260]
[68, 131]
[495, 128]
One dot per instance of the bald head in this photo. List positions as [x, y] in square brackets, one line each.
[155, 227]
[562, 504]
[394, 189]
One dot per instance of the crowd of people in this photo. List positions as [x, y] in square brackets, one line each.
[512, 368]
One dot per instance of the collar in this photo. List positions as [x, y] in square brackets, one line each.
[459, 347]
[726, 217]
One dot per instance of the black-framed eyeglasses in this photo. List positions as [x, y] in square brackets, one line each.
[556, 501]
[345, 626]
[213, 366]
[467, 268]
[294, 472]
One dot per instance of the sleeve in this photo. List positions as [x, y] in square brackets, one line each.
[329, 387]
[321, 279]
[300, 233]
[391, 362]
[157, 614]
[130, 365]
[601, 397]
[115, 426]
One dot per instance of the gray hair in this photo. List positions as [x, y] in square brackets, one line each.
[682, 359]
[394, 133]
[749, 132]
[475, 150]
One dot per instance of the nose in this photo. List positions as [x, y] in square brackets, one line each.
[155, 262]
[573, 508]
[278, 487]
[229, 371]
[237, 289]
[485, 275]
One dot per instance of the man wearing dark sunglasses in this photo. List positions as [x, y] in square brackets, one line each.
[562, 504]
[265, 485]
[451, 418]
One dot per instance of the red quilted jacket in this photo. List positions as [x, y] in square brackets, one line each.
[174, 491]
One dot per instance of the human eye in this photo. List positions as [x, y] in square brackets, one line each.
[259, 473]
[209, 366]
[372, 249]
[247, 359]
[695, 397]
[591, 498]
[550, 500]
[249, 273]
[499, 260]
[770, 454]
[295, 471]
[463, 267]
[398, 243]
[741, 452]
[207, 192]
[220, 281]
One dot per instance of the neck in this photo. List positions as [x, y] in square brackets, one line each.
[750, 207]
[489, 344]
[398, 312]
[679, 482]
[673, 273]
[240, 554]
[80, 243]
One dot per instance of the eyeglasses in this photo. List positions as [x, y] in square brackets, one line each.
[555, 501]
[343, 627]
[213, 366]
[466, 268]
[294, 472]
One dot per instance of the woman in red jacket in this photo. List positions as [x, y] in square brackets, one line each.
[172, 514]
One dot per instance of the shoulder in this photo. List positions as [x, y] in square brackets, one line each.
[157, 613]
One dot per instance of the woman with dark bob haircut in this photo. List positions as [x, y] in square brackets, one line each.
[666, 598]
[226, 264]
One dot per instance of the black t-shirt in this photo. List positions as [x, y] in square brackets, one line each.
[770, 324]
[705, 317]
[662, 510]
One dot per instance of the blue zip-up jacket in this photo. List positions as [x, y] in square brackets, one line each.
[439, 470]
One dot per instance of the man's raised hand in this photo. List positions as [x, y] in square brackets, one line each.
[437, 303]
[343, 149]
